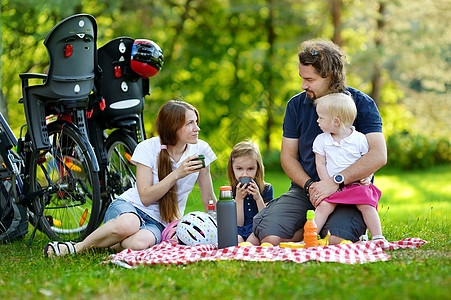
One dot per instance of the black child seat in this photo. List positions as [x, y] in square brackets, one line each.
[118, 100]
[71, 45]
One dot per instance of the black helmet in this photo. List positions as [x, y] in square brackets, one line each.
[146, 58]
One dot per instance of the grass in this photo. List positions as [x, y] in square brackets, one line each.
[414, 204]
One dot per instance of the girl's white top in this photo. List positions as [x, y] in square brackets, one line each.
[340, 155]
[146, 153]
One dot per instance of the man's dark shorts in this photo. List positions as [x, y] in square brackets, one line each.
[285, 215]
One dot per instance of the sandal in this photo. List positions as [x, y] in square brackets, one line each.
[56, 248]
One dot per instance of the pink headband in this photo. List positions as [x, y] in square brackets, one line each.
[163, 147]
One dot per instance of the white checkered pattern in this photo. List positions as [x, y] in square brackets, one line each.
[167, 253]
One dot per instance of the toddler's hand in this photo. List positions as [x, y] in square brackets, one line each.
[367, 180]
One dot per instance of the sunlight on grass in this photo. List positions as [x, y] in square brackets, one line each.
[415, 195]
[405, 195]
[410, 274]
[413, 204]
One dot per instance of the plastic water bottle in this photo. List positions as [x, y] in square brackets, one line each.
[211, 209]
[226, 218]
[310, 230]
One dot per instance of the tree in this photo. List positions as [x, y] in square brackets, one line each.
[336, 21]
[235, 60]
[376, 79]
[3, 102]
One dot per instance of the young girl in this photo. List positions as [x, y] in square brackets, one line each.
[245, 160]
[166, 171]
[336, 149]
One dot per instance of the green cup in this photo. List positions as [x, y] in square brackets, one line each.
[202, 159]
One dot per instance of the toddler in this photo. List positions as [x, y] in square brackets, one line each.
[336, 149]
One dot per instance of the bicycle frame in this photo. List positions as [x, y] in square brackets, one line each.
[116, 104]
[13, 161]
[17, 155]
[110, 182]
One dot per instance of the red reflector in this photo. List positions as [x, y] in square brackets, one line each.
[117, 72]
[102, 104]
[68, 50]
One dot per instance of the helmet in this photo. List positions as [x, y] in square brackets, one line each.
[197, 228]
[168, 233]
[146, 58]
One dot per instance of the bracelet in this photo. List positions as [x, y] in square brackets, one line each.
[307, 185]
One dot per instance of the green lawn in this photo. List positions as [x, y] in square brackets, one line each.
[413, 204]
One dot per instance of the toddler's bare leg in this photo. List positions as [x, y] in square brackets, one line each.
[371, 218]
[322, 212]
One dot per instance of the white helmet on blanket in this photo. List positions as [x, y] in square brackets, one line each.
[197, 228]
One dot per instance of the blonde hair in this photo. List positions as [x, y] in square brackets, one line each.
[246, 148]
[341, 106]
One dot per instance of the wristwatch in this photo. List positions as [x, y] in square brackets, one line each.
[340, 180]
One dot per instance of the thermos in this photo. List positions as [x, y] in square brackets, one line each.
[226, 218]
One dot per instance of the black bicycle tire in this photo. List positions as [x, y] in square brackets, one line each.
[92, 205]
[118, 137]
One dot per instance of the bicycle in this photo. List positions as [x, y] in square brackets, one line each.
[117, 105]
[53, 166]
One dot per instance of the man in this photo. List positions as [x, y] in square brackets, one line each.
[322, 69]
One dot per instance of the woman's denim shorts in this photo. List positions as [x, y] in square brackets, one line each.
[120, 206]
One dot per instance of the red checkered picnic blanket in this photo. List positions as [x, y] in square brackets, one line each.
[167, 253]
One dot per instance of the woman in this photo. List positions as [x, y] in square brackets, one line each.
[166, 171]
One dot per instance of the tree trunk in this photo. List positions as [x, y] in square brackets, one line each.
[336, 21]
[3, 100]
[377, 68]
[269, 64]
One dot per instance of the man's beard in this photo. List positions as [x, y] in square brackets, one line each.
[311, 96]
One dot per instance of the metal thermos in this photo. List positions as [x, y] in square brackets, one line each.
[226, 218]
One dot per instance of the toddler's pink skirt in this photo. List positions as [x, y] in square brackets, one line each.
[356, 194]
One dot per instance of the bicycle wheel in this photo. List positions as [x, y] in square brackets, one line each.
[63, 180]
[121, 171]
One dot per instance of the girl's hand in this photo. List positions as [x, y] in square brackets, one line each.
[254, 191]
[241, 192]
[188, 166]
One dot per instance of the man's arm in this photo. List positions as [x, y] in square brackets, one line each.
[369, 163]
[364, 167]
[290, 163]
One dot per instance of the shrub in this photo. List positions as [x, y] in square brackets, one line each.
[271, 160]
[409, 151]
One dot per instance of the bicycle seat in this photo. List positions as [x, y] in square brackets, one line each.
[72, 48]
[119, 91]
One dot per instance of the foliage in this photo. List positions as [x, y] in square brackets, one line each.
[236, 60]
[409, 150]
[414, 204]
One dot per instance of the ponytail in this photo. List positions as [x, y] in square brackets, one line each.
[168, 205]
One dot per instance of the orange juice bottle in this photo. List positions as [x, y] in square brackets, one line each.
[310, 230]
